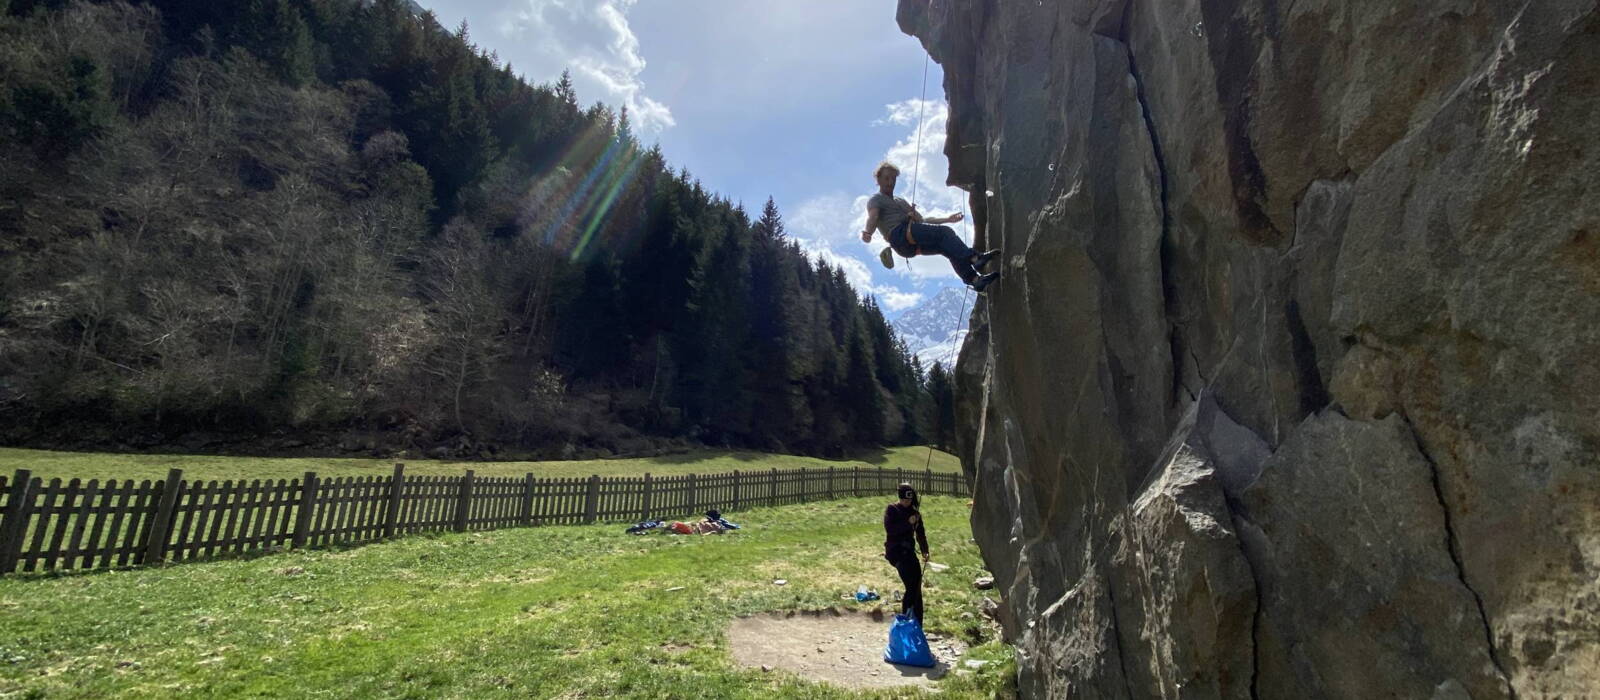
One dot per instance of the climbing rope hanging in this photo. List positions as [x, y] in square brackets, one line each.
[966, 295]
[916, 181]
[922, 103]
[916, 157]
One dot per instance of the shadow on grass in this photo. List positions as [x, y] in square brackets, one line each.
[934, 673]
[51, 575]
[875, 456]
[698, 456]
[43, 575]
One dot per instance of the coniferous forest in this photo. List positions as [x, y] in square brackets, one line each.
[322, 224]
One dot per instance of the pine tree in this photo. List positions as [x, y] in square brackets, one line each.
[941, 388]
[625, 135]
[770, 226]
[594, 342]
[58, 113]
[861, 390]
[276, 33]
[566, 93]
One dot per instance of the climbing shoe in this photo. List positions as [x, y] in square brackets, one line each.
[983, 282]
[984, 259]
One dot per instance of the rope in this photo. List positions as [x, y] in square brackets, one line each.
[916, 165]
[922, 102]
[966, 294]
[916, 182]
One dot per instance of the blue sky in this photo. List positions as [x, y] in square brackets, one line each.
[796, 99]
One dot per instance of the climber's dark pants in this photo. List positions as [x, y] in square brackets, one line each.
[905, 562]
[927, 239]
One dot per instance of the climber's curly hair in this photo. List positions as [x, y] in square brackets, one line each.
[885, 166]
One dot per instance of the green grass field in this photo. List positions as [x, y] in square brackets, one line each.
[557, 612]
[93, 465]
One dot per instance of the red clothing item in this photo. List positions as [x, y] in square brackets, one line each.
[898, 530]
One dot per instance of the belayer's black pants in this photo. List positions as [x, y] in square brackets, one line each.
[905, 562]
[927, 239]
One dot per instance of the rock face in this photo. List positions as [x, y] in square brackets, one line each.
[1292, 385]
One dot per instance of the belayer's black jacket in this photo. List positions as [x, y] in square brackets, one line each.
[898, 532]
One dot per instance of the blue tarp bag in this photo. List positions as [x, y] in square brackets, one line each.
[907, 644]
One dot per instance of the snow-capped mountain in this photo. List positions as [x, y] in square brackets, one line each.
[935, 328]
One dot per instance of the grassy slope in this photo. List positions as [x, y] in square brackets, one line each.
[542, 612]
[90, 465]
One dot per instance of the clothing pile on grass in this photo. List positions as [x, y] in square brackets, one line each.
[713, 524]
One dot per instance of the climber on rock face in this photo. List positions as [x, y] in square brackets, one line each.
[909, 234]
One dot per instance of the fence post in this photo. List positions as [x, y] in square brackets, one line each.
[855, 481]
[155, 550]
[527, 499]
[694, 496]
[649, 493]
[14, 522]
[735, 506]
[927, 482]
[392, 517]
[302, 519]
[830, 483]
[772, 491]
[464, 502]
[805, 486]
[591, 502]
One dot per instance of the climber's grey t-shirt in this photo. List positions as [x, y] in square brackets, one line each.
[892, 211]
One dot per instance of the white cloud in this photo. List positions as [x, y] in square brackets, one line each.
[920, 155]
[836, 218]
[899, 301]
[855, 269]
[592, 38]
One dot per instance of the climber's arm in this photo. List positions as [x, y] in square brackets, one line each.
[942, 220]
[872, 224]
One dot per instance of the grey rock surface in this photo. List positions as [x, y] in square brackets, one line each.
[1295, 352]
[1372, 557]
[1191, 598]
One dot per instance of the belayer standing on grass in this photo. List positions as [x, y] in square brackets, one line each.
[909, 234]
[903, 534]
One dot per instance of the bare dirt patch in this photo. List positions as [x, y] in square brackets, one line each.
[843, 647]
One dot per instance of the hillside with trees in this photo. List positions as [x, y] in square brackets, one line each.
[325, 224]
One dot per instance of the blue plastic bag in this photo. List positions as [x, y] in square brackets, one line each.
[907, 644]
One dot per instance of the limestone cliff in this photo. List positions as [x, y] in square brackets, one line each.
[1292, 385]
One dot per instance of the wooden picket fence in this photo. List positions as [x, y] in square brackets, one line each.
[58, 526]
